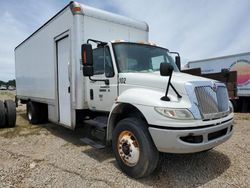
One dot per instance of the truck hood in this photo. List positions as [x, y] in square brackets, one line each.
[157, 82]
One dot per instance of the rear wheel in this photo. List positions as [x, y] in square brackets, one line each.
[10, 113]
[33, 112]
[134, 149]
[43, 113]
[2, 115]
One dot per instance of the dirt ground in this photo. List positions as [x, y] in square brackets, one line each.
[51, 156]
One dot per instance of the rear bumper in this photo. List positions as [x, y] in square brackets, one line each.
[191, 140]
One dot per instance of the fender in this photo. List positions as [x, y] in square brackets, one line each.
[133, 98]
[141, 100]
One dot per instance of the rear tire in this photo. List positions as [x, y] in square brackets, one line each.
[43, 113]
[33, 112]
[10, 113]
[134, 149]
[2, 115]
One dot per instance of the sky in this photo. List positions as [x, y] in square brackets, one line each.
[197, 29]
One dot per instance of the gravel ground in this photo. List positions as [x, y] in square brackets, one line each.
[51, 156]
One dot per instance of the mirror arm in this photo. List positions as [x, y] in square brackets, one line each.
[106, 81]
[179, 62]
[178, 95]
[166, 98]
[98, 42]
[177, 53]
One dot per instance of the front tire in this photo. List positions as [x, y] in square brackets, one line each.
[134, 149]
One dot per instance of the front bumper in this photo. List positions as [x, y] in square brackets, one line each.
[191, 139]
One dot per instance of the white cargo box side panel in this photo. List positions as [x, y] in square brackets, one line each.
[106, 26]
[35, 60]
[107, 31]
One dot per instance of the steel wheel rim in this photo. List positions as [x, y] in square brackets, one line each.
[128, 148]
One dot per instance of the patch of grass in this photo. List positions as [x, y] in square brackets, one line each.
[22, 128]
[19, 131]
[7, 95]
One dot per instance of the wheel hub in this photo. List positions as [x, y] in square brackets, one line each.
[125, 149]
[128, 148]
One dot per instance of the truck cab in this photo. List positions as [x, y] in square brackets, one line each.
[139, 87]
[118, 64]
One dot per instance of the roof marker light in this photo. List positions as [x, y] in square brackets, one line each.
[76, 9]
[118, 40]
[140, 42]
[153, 44]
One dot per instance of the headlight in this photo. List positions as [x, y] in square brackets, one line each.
[175, 113]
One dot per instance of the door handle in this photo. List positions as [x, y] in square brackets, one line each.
[107, 81]
[69, 89]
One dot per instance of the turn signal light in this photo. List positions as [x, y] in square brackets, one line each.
[84, 57]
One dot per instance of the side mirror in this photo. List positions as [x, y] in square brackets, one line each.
[166, 69]
[88, 71]
[178, 62]
[87, 60]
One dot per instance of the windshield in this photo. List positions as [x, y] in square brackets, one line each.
[133, 57]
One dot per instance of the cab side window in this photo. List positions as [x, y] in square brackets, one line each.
[103, 62]
[98, 60]
[109, 70]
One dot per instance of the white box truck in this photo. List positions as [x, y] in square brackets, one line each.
[237, 62]
[127, 94]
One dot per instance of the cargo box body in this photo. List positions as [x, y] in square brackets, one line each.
[48, 63]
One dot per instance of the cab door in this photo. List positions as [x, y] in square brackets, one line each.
[102, 93]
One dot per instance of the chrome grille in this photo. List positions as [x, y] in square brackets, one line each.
[213, 103]
[222, 97]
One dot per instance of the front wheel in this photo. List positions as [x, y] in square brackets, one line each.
[134, 149]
